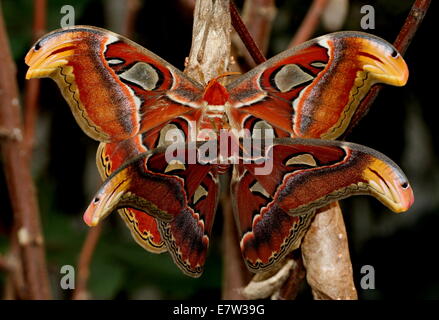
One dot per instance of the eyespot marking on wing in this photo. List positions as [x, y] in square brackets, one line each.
[171, 133]
[258, 188]
[115, 61]
[200, 193]
[318, 64]
[175, 165]
[290, 76]
[305, 159]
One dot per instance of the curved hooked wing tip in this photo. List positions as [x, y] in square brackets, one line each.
[108, 198]
[382, 61]
[360, 170]
[134, 186]
[388, 184]
[359, 51]
[42, 62]
[75, 59]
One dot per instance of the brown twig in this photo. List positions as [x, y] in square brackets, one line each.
[326, 257]
[310, 23]
[258, 16]
[19, 180]
[32, 87]
[245, 36]
[14, 134]
[411, 25]
[210, 50]
[133, 7]
[4, 264]
[402, 42]
[84, 262]
[15, 284]
[268, 283]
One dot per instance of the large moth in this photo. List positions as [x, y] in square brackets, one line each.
[129, 99]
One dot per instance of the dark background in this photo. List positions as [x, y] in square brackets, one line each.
[401, 247]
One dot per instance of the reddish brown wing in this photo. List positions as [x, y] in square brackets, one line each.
[313, 90]
[309, 91]
[188, 235]
[274, 210]
[181, 197]
[115, 88]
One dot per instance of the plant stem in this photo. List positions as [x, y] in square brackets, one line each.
[325, 252]
[402, 42]
[84, 262]
[32, 87]
[258, 16]
[245, 36]
[310, 23]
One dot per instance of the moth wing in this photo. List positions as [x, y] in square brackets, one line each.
[313, 90]
[275, 201]
[116, 89]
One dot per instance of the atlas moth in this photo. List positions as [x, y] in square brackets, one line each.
[129, 98]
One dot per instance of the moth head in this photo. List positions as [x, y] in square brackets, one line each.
[389, 185]
[107, 199]
[382, 61]
[215, 93]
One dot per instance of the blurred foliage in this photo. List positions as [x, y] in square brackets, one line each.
[400, 124]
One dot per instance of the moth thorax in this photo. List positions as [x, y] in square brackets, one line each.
[213, 114]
